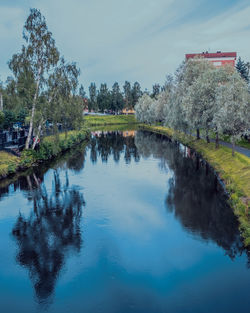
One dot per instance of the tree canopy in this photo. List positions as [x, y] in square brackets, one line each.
[201, 97]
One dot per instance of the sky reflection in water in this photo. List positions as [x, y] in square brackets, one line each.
[126, 225]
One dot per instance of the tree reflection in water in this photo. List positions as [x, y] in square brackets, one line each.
[51, 231]
[106, 144]
[194, 195]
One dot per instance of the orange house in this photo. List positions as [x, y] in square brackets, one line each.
[128, 111]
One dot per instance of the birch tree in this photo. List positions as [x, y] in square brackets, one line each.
[233, 115]
[145, 109]
[186, 76]
[41, 54]
[200, 99]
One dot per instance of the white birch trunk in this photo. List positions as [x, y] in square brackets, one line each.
[38, 135]
[33, 111]
[1, 102]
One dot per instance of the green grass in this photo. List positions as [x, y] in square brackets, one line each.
[50, 147]
[234, 172]
[103, 120]
[8, 163]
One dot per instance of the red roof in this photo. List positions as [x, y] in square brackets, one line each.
[212, 55]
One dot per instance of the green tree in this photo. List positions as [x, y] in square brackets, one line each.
[136, 93]
[117, 101]
[82, 92]
[200, 98]
[40, 53]
[145, 109]
[243, 69]
[104, 98]
[233, 115]
[93, 97]
[128, 95]
[186, 75]
[10, 95]
[9, 119]
[156, 90]
[2, 117]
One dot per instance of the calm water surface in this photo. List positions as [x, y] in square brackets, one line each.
[128, 224]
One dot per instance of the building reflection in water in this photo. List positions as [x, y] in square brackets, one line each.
[51, 231]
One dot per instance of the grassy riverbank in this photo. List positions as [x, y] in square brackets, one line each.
[242, 142]
[50, 147]
[234, 172]
[102, 120]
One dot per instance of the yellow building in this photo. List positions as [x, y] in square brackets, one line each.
[128, 111]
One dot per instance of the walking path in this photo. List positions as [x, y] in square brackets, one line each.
[239, 149]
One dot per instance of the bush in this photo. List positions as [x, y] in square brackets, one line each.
[1, 119]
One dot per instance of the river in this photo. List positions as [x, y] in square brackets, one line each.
[132, 222]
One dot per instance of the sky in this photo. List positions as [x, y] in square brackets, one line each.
[134, 40]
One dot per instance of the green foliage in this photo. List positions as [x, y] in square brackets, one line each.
[50, 147]
[8, 163]
[2, 117]
[201, 97]
[92, 97]
[9, 118]
[156, 90]
[28, 158]
[128, 95]
[243, 69]
[117, 102]
[232, 116]
[136, 93]
[104, 98]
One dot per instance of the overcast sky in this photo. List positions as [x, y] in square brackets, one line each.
[134, 40]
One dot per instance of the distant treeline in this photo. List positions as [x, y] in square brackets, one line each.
[114, 100]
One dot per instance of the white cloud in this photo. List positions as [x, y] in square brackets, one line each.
[11, 23]
[134, 40]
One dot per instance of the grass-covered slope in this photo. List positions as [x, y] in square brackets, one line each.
[8, 163]
[234, 172]
[102, 120]
[50, 147]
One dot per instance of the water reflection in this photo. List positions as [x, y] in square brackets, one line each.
[75, 160]
[144, 267]
[194, 195]
[106, 144]
[51, 231]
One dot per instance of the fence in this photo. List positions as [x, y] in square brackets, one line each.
[13, 137]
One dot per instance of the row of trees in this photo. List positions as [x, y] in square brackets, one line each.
[201, 96]
[117, 98]
[45, 86]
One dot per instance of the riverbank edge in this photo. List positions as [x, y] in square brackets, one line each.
[109, 120]
[238, 198]
[50, 147]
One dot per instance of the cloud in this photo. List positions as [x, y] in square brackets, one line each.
[11, 23]
[141, 40]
